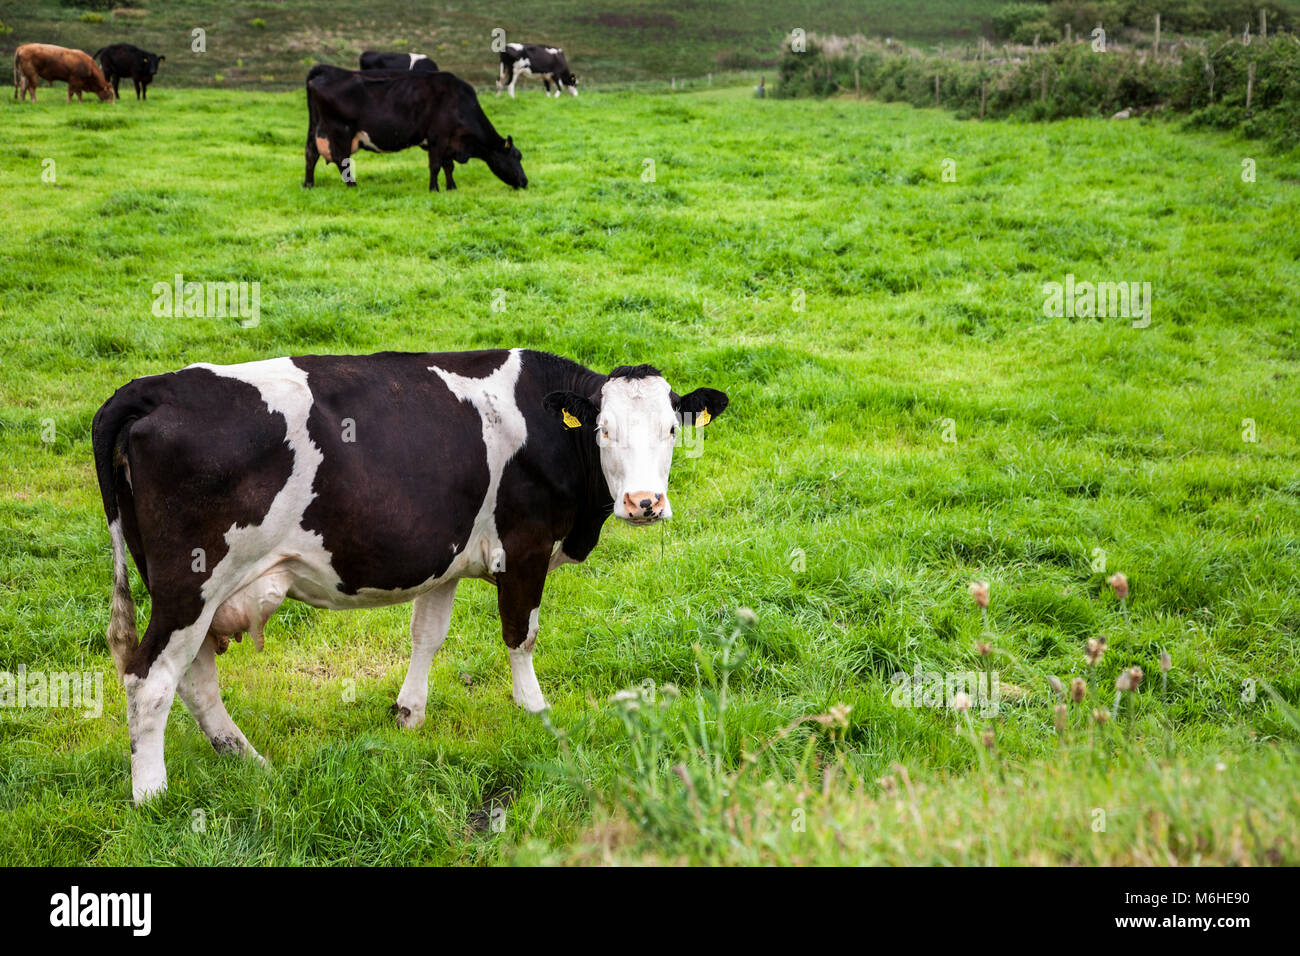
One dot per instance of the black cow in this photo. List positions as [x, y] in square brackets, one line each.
[123, 59]
[385, 111]
[360, 481]
[416, 62]
[535, 59]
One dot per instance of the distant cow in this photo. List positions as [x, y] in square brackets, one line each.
[534, 59]
[360, 481]
[385, 112]
[416, 62]
[124, 60]
[34, 62]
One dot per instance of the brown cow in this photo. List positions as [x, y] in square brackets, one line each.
[44, 61]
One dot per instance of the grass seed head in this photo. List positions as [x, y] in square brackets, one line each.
[1078, 690]
[979, 590]
[1166, 662]
[1096, 648]
[1119, 583]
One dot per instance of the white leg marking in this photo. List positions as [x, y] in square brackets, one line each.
[149, 701]
[430, 619]
[528, 694]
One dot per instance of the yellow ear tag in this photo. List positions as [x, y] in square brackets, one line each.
[703, 418]
[569, 420]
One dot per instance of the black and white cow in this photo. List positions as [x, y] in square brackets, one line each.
[416, 62]
[383, 112]
[360, 481]
[535, 59]
[124, 60]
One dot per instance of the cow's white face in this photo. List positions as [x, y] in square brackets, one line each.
[636, 420]
[636, 430]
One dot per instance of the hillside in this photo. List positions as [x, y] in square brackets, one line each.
[606, 42]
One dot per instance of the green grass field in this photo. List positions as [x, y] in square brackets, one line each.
[923, 320]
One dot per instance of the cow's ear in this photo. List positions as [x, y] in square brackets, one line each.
[701, 406]
[510, 142]
[572, 409]
[161, 58]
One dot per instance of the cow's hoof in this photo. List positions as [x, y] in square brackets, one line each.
[533, 703]
[407, 718]
[143, 794]
[308, 185]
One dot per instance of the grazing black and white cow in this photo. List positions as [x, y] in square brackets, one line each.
[360, 481]
[385, 111]
[416, 62]
[123, 59]
[535, 59]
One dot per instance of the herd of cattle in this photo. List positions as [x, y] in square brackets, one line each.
[500, 464]
[395, 101]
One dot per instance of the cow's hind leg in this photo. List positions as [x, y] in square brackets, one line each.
[448, 166]
[202, 696]
[313, 154]
[430, 619]
[151, 680]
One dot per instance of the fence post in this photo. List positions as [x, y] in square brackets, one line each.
[710, 79]
[857, 83]
[1067, 33]
[1263, 24]
[1157, 34]
[936, 89]
[984, 89]
[1250, 83]
[1043, 95]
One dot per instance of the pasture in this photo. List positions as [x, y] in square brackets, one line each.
[905, 419]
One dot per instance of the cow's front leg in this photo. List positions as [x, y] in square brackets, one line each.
[519, 595]
[448, 165]
[435, 164]
[202, 696]
[430, 619]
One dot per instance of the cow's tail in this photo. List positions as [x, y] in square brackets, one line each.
[109, 433]
[96, 55]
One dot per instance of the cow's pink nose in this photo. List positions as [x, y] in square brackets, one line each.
[644, 504]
